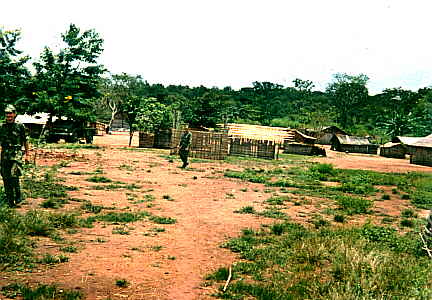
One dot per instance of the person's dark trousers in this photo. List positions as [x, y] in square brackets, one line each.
[12, 191]
[184, 157]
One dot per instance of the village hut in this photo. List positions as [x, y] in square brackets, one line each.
[302, 138]
[421, 151]
[256, 140]
[34, 123]
[406, 142]
[393, 150]
[303, 149]
[325, 135]
[353, 144]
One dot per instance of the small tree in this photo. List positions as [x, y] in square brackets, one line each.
[151, 115]
[67, 82]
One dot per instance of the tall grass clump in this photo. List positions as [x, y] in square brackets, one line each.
[293, 262]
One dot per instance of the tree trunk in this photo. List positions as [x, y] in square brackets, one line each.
[131, 132]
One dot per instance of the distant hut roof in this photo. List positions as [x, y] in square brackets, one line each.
[38, 118]
[299, 136]
[332, 129]
[352, 140]
[390, 144]
[406, 140]
[423, 142]
[257, 132]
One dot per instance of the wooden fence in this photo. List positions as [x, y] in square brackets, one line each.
[254, 148]
[207, 145]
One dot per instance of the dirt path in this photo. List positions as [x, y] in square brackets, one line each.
[160, 261]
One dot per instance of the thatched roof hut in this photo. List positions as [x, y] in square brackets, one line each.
[421, 151]
[325, 135]
[353, 144]
[261, 133]
[393, 150]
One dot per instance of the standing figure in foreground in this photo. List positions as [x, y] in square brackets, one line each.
[12, 139]
[184, 146]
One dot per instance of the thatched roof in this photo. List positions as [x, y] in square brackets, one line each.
[352, 140]
[257, 132]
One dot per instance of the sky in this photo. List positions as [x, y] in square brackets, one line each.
[218, 43]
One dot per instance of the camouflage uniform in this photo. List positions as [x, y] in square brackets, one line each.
[185, 142]
[12, 139]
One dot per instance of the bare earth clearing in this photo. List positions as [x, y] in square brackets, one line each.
[168, 264]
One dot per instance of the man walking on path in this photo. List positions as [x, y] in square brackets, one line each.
[12, 139]
[184, 146]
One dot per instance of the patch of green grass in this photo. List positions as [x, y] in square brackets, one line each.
[246, 210]
[116, 186]
[277, 200]
[89, 207]
[339, 218]
[99, 179]
[354, 205]
[273, 213]
[157, 229]
[162, 220]
[46, 185]
[293, 262]
[126, 167]
[121, 230]
[69, 249]
[54, 203]
[40, 292]
[385, 197]
[409, 213]
[156, 248]
[407, 223]
[123, 217]
[49, 259]
[122, 283]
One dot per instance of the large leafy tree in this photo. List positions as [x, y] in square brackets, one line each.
[349, 95]
[66, 83]
[14, 75]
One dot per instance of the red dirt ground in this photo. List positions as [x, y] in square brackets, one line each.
[173, 263]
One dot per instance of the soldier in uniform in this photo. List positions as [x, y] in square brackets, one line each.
[184, 146]
[12, 139]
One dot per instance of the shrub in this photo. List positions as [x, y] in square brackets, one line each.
[353, 205]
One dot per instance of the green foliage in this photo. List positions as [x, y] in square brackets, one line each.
[162, 220]
[246, 210]
[14, 75]
[354, 205]
[40, 292]
[67, 82]
[349, 95]
[151, 115]
[99, 179]
[292, 262]
[122, 283]
[125, 217]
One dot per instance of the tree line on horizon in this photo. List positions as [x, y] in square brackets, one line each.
[70, 82]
